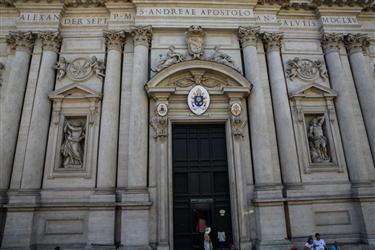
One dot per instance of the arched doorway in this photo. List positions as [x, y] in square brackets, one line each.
[169, 89]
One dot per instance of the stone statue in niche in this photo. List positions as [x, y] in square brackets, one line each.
[171, 58]
[61, 66]
[222, 58]
[72, 149]
[97, 66]
[317, 141]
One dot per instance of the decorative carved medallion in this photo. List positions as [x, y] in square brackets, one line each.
[195, 38]
[236, 109]
[80, 69]
[162, 109]
[306, 69]
[198, 100]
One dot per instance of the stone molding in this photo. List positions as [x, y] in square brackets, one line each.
[248, 35]
[142, 35]
[331, 42]
[114, 40]
[315, 4]
[51, 41]
[356, 42]
[272, 40]
[21, 40]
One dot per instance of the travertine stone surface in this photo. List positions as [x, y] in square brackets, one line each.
[283, 122]
[107, 160]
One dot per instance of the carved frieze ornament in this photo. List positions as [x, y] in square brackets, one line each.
[306, 69]
[159, 121]
[21, 40]
[2, 69]
[248, 35]
[114, 40]
[318, 142]
[142, 35]
[195, 38]
[84, 3]
[222, 58]
[331, 42]
[356, 42]
[198, 100]
[80, 68]
[272, 40]
[51, 41]
[171, 58]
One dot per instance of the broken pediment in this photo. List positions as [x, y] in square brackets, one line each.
[314, 90]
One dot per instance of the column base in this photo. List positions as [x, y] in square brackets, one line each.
[163, 246]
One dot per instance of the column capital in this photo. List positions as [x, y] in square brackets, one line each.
[331, 42]
[142, 35]
[272, 40]
[356, 42]
[248, 35]
[21, 40]
[114, 40]
[51, 41]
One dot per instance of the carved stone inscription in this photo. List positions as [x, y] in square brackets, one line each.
[72, 148]
[318, 142]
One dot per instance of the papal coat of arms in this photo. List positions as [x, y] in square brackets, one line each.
[198, 100]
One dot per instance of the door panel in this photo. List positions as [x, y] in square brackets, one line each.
[200, 185]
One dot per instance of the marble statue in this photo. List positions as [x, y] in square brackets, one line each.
[71, 148]
[222, 58]
[61, 66]
[171, 58]
[317, 141]
[97, 66]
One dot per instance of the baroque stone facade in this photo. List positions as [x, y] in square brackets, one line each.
[136, 124]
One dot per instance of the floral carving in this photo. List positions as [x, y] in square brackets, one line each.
[306, 69]
[248, 35]
[51, 41]
[356, 42]
[114, 40]
[195, 38]
[142, 35]
[21, 40]
[331, 41]
[272, 40]
[159, 124]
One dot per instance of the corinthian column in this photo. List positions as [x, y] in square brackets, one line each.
[284, 127]
[23, 42]
[138, 118]
[261, 140]
[107, 161]
[365, 87]
[38, 131]
[357, 150]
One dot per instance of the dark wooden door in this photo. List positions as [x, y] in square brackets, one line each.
[200, 185]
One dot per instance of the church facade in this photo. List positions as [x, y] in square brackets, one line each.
[145, 124]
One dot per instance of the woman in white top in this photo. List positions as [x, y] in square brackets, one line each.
[309, 245]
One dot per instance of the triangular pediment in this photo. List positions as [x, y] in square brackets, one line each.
[74, 91]
[314, 90]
